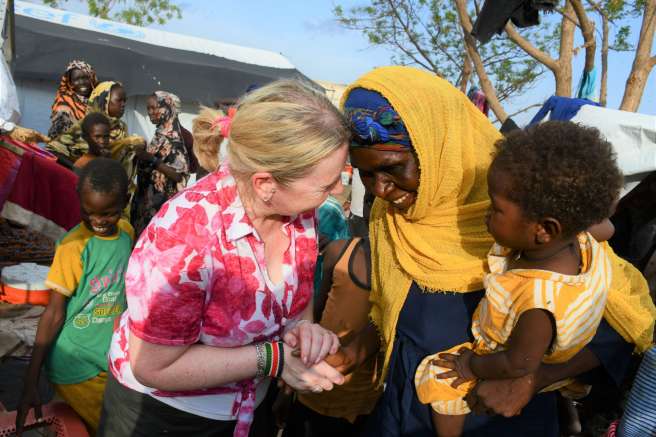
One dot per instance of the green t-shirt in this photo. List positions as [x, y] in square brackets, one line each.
[90, 271]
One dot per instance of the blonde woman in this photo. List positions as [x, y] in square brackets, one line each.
[220, 283]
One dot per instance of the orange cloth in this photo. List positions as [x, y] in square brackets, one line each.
[576, 303]
[84, 160]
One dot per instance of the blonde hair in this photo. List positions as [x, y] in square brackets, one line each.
[207, 139]
[284, 128]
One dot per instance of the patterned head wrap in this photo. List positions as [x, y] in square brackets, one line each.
[66, 100]
[99, 98]
[168, 132]
[168, 106]
[374, 123]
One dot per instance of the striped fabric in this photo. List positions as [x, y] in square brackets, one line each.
[576, 302]
[639, 418]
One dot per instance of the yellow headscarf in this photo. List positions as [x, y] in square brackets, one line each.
[441, 242]
[629, 308]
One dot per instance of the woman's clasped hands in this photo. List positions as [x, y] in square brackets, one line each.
[306, 346]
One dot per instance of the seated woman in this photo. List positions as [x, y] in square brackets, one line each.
[424, 150]
[71, 99]
[163, 167]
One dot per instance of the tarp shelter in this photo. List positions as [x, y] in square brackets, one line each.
[632, 135]
[144, 60]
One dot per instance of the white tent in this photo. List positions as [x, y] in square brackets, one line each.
[144, 60]
[632, 135]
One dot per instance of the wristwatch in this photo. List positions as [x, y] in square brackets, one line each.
[6, 126]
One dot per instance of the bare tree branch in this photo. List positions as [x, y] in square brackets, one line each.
[587, 29]
[529, 48]
[408, 32]
[535, 105]
[470, 44]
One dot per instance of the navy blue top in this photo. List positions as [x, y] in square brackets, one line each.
[432, 322]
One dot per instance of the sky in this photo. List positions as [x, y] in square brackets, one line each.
[306, 32]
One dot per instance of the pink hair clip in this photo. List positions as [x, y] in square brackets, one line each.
[224, 122]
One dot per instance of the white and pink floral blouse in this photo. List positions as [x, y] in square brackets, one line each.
[198, 275]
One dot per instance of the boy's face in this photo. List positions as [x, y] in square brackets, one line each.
[101, 211]
[98, 140]
[505, 220]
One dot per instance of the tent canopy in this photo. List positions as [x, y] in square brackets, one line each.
[142, 59]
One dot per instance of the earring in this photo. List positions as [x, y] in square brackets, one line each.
[270, 196]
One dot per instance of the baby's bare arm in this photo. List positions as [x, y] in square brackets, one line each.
[528, 344]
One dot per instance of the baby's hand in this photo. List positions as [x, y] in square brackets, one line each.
[459, 365]
[313, 341]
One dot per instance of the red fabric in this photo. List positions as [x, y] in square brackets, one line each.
[612, 429]
[9, 165]
[47, 189]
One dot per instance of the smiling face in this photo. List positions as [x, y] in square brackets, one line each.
[101, 211]
[117, 99]
[391, 175]
[310, 191]
[80, 82]
[98, 140]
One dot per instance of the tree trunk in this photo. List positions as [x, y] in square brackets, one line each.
[467, 71]
[643, 61]
[470, 45]
[603, 89]
[587, 30]
[563, 70]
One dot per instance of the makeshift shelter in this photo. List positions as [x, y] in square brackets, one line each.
[144, 60]
[632, 135]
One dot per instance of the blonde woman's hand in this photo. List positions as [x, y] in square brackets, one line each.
[316, 378]
[313, 341]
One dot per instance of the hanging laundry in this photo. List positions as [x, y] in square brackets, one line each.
[587, 84]
[496, 13]
[560, 108]
[479, 100]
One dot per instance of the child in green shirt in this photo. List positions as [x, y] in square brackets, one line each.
[88, 295]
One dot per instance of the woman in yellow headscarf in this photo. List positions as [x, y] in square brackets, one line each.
[423, 149]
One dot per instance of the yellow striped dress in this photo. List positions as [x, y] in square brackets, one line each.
[576, 302]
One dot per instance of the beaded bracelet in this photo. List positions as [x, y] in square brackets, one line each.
[270, 359]
[277, 358]
[260, 353]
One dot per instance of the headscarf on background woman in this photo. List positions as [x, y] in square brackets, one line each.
[167, 146]
[70, 107]
[72, 145]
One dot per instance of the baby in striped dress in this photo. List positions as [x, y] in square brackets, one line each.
[550, 186]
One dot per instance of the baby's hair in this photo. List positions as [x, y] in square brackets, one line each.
[560, 170]
[93, 119]
[103, 175]
[207, 137]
